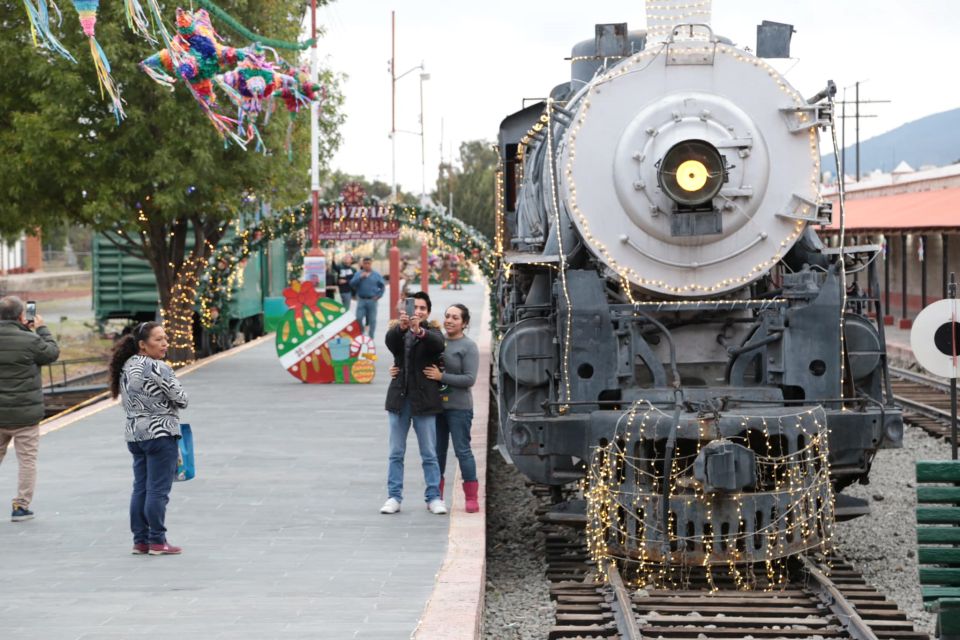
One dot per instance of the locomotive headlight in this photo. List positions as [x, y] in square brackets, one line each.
[692, 175]
[692, 172]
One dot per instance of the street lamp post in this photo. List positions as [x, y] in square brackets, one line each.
[393, 112]
[423, 152]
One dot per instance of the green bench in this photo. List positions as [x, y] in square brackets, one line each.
[938, 542]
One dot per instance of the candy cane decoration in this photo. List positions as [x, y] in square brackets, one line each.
[363, 347]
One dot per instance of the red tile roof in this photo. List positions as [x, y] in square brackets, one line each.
[938, 209]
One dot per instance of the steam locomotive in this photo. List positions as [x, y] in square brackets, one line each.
[674, 333]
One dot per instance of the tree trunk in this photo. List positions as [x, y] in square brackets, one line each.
[178, 312]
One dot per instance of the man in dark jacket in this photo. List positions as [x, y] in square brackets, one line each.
[22, 353]
[345, 272]
[412, 397]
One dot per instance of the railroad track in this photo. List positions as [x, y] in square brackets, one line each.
[73, 392]
[925, 400]
[821, 600]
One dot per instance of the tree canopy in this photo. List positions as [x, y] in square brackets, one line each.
[164, 170]
[472, 185]
[66, 156]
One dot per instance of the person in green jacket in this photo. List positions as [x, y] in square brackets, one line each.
[25, 346]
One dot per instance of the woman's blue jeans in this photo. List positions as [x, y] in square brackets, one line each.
[455, 424]
[154, 467]
[425, 427]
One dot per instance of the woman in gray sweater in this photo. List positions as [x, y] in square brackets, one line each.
[461, 361]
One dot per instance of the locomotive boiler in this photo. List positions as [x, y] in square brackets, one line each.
[674, 333]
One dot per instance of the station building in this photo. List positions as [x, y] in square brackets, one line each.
[915, 217]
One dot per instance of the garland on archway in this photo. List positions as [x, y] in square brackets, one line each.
[223, 271]
[449, 233]
[222, 275]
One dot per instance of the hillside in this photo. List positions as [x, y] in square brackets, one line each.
[933, 140]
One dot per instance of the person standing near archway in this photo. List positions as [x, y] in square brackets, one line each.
[369, 287]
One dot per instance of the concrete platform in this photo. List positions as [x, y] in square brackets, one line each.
[281, 531]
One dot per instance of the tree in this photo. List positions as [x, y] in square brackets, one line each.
[162, 173]
[472, 185]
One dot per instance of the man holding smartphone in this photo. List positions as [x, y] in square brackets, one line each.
[25, 346]
[369, 287]
[415, 343]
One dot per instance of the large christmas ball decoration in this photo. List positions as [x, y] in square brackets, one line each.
[315, 339]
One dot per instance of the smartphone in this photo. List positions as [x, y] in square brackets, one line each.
[409, 306]
[31, 311]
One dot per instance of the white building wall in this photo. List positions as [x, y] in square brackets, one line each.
[12, 256]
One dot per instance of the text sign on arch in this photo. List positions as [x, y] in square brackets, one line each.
[935, 338]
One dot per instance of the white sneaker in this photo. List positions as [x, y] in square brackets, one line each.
[437, 507]
[392, 505]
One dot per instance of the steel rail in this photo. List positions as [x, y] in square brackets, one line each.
[920, 378]
[838, 603]
[622, 607]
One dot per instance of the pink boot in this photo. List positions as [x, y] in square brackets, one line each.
[470, 491]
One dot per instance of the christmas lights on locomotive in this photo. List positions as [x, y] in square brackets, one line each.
[673, 330]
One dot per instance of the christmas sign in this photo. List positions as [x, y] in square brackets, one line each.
[320, 342]
[351, 219]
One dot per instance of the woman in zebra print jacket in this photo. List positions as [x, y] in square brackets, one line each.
[151, 397]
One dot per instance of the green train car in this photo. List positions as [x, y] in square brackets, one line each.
[124, 287]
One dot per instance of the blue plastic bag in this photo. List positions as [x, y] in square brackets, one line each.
[186, 468]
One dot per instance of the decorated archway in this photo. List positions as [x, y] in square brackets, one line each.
[442, 232]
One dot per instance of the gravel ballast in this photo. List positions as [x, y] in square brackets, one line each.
[517, 604]
[883, 545]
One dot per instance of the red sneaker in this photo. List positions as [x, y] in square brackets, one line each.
[165, 549]
[140, 549]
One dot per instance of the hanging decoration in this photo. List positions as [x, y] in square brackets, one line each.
[246, 75]
[196, 55]
[249, 86]
[39, 16]
[231, 22]
[297, 95]
[140, 23]
[87, 10]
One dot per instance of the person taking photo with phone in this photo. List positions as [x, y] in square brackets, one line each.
[461, 360]
[413, 398]
[26, 344]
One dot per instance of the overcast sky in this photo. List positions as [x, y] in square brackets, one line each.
[485, 57]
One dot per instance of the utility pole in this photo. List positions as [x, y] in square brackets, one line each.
[314, 139]
[393, 105]
[856, 116]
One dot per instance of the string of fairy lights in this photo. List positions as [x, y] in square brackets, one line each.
[627, 273]
[568, 330]
[626, 514]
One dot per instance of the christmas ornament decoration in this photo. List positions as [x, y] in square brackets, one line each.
[87, 10]
[196, 55]
[315, 336]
